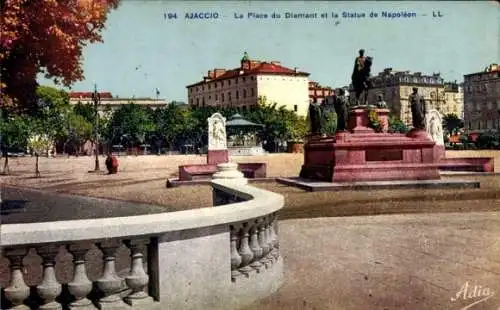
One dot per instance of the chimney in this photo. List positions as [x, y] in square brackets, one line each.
[296, 70]
[219, 72]
[210, 74]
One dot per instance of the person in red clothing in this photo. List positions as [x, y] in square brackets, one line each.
[112, 164]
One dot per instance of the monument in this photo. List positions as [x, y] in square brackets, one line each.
[434, 127]
[217, 155]
[217, 140]
[358, 153]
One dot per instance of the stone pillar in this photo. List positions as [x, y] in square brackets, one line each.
[80, 286]
[138, 279]
[49, 289]
[17, 291]
[358, 121]
[110, 283]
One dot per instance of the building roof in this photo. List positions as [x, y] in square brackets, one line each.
[238, 121]
[104, 95]
[488, 70]
[261, 68]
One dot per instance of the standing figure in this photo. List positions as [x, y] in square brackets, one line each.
[418, 110]
[341, 110]
[315, 117]
[361, 77]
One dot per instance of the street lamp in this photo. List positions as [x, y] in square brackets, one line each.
[96, 99]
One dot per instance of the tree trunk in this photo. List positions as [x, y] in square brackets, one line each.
[37, 172]
[6, 165]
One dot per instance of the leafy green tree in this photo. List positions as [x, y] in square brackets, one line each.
[53, 112]
[80, 130]
[133, 121]
[452, 123]
[488, 140]
[14, 132]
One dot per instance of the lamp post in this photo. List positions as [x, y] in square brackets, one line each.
[96, 98]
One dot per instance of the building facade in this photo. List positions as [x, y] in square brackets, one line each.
[396, 88]
[110, 103]
[318, 93]
[482, 100]
[241, 87]
[453, 99]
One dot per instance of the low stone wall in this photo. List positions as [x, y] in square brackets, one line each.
[223, 257]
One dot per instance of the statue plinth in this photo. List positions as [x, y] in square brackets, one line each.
[359, 120]
[361, 154]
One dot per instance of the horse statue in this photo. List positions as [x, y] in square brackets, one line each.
[361, 78]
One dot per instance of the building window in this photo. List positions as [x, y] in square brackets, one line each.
[203, 102]
[245, 94]
[229, 82]
[215, 85]
[216, 97]
[197, 101]
[237, 95]
[191, 90]
[222, 97]
[209, 86]
[236, 81]
[191, 101]
[243, 79]
[209, 97]
[228, 95]
[295, 107]
[251, 92]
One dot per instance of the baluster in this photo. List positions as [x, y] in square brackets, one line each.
[137, 279]
[17, 291]
[268, 235]
[255, 247]
[49, 289]
[263, 242]
[80, 286]
[276, 234]
[272, 237]
[110, 283]
[245, 251]
[235, 256]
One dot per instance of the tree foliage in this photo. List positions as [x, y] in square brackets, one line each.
[452, 123]
[396, 125]
[132, 121]
[45, 36]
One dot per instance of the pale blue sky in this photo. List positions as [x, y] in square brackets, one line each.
[171, 54]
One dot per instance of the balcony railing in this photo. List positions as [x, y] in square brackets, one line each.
[222, 257]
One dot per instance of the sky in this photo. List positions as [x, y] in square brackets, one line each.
[143, 51]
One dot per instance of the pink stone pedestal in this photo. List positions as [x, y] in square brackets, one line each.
[215, 157]
[363, 155]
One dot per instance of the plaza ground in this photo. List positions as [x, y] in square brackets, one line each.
[384, 249]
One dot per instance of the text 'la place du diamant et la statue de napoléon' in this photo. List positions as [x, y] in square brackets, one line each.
[297, 15]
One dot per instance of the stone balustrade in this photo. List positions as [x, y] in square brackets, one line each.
[223, 257]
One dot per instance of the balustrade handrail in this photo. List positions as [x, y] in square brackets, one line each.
[258, 203]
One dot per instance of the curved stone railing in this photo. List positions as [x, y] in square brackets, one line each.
[223, 257]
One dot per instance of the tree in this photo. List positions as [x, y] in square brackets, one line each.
[80, 130]
[45, 36]
[452, 123]
[40, 144]
[53, 111]
[131, 120]
[13, 136]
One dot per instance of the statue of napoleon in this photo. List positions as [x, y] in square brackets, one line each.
[361, 77]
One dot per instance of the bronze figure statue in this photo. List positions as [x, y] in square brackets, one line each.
[418, 110]
[341, 110]
[315, 117]
[361, 77]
